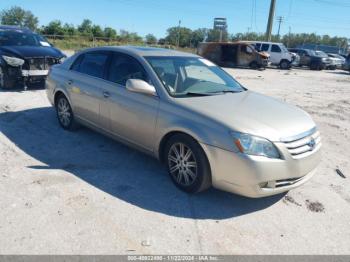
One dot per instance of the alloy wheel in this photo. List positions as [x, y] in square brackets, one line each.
[182, 164]
[64, 112]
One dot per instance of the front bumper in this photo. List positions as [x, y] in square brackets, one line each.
[256, 176]
[18, 74]
[29, 73]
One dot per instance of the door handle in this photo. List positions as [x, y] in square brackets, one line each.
[70, 81]
[106, 94]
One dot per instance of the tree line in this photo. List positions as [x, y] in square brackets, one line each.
[176, 36]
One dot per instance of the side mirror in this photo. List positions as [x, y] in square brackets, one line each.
[140, 86]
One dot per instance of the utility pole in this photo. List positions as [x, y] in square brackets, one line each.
[178, 34]
[279, 20]
[270, 21]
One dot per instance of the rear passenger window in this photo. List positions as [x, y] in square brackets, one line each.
[76, 64]
[265, 47]
[124, 67]
[92, 64]
[276, 49]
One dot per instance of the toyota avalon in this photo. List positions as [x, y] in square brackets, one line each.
[194, 117]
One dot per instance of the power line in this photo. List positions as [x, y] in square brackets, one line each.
[279, 20]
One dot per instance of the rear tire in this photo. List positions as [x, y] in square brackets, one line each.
[65, 114]
[187, 164]
[254, 65]
[314, 66]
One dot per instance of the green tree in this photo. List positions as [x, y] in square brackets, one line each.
[110, 32]
[69, 29]
[97, 31]
[180, 35]
[198, 36]
[20, 17]
[85, 28]
[214, 35]
[150, 39]
[53, 28]
[126, 36]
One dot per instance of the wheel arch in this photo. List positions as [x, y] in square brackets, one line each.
[166, 138]
[59, 92]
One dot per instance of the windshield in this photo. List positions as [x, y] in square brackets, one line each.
[183, 76]
[321, 54]
[283, 48]
[19, 38]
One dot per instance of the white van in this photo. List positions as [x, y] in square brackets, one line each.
[279, 54]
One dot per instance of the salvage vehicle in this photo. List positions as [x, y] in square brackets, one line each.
[311, 59]
[295, 59]
[337, 61]
[190, 114]
[328, 61]
[236, 54]
[346, 65]
[25, 57]
[279, 55]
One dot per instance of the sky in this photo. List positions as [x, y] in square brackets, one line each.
[155, 16]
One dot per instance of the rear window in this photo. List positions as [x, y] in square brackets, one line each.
[92, 64]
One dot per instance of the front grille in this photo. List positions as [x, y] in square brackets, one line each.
[281, 183]
[40, 63]
[303, 144]
[287, 182]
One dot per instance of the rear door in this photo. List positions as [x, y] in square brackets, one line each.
[84, 85]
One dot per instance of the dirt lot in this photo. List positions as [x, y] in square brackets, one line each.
[82, 193]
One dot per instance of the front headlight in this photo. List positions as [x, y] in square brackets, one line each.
[325, 59]
[253, 145]
[13, 61]
[61, 60]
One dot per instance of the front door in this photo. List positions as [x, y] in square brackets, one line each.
[129, 115]
[245, 55]
[275, 54]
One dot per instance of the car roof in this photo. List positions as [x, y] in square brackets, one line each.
[142, 51]
[15, 28]
[264, 42]
[228, 43]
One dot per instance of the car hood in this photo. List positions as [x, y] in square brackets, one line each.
[32, 51]
[264, 54]
[252, 113]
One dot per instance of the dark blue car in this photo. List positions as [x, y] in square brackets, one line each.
[25, 57]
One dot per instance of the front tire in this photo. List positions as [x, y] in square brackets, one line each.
[187, 164]
[65, 114]
[285, 64]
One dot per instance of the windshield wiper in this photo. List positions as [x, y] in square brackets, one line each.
[197, 94]
[227, 91]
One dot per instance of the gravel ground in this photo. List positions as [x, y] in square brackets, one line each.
[82, 193]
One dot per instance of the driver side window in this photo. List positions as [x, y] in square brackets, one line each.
[124, 67]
